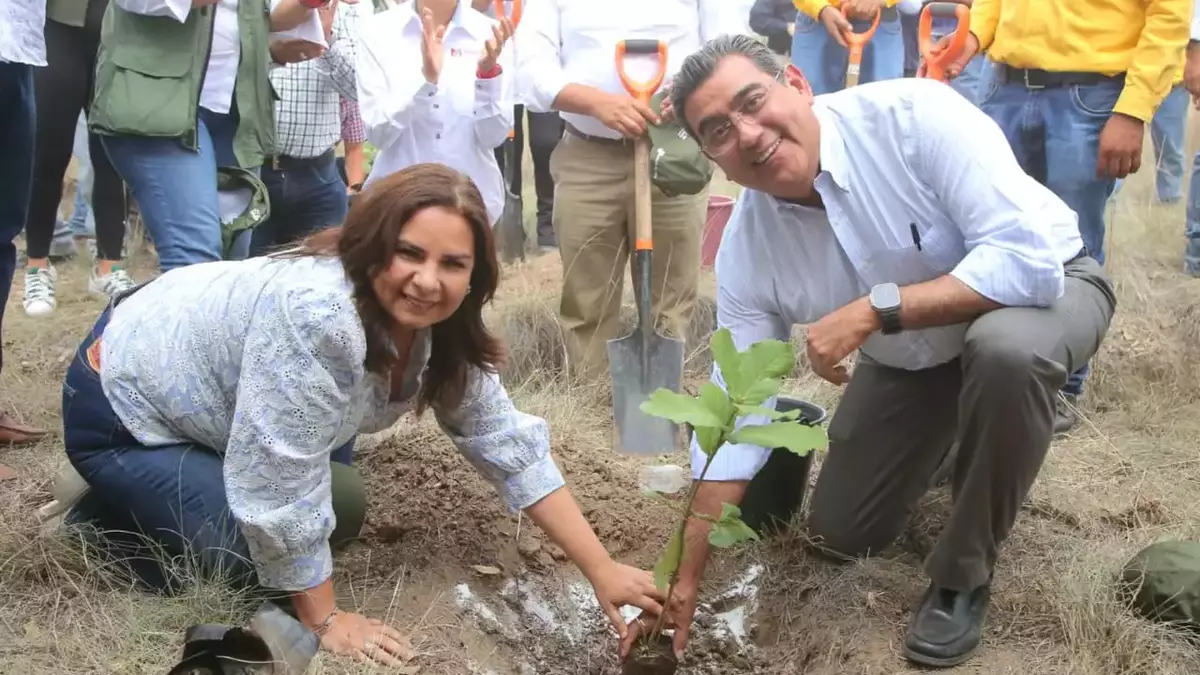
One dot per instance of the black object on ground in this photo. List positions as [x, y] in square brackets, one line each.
[777, 491]
[275, 643]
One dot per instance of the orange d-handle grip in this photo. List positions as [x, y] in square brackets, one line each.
[643, 91]
[936, 64]
[860, 39]
[857, 42]
[502, 11]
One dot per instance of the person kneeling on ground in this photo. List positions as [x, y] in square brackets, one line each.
[213, 411]
[894, 220]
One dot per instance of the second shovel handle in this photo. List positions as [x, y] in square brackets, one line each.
[643, 230]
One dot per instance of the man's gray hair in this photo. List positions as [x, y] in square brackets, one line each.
[699, 66]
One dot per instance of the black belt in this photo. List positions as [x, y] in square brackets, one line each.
[1032, 78]
[287, 163]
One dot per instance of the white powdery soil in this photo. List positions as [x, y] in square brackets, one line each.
[571, 614]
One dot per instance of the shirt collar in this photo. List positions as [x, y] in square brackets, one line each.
[832, 147]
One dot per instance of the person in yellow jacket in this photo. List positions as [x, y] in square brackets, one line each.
[1073, 86]
[819, 47]
[1167, 137]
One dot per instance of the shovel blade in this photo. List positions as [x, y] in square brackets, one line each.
[512, 228]
[637, 433]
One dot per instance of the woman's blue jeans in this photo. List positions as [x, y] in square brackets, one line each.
[162, 511]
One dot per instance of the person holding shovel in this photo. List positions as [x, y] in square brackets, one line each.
[961, 283]
[821, 51]
[566, 53]
[456, 108]
[1074, 85]
[213, 411]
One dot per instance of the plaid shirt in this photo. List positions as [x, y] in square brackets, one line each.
[308, 115]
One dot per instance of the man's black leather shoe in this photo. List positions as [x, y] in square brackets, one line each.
[946, 628]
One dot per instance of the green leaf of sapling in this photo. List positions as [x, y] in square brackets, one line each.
[727, 358]
[767, 359]
[761, 390]
[668, 562]
[680, 409]
[730, 529]
[798, 438]
[717, 401]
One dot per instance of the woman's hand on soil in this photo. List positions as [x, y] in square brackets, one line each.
[366, 640]
[683, 610]
[617, 585]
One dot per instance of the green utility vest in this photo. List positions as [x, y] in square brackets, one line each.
[150, 69]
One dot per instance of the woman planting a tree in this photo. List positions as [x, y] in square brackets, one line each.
[213, 411]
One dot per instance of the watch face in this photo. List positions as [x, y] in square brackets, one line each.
[885, 296]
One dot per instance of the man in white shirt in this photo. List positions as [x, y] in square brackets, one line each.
[22, 47]
[894, 220]
[565, 52]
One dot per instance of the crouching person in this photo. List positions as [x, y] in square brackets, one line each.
[893, 219]
[213, 411]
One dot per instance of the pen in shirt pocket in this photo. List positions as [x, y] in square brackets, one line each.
[916, 235]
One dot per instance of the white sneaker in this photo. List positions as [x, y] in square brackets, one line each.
[110, 284]
[39, 291]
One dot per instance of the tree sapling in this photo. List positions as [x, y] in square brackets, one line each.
[752, 377]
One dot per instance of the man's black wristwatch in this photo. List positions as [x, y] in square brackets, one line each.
[885, 300]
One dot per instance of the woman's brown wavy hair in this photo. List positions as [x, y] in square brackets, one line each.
[366, 243]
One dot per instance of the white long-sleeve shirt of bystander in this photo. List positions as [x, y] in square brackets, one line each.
[459, 121]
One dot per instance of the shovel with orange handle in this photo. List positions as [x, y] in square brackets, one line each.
[644, 361]
[512, 221]
[934, 64]
[857, 42]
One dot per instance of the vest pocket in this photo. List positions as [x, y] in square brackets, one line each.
[148, 91]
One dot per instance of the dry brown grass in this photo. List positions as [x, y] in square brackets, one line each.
[1127, 477]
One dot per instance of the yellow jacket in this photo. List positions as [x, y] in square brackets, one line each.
[814, 7]
[1145, 39]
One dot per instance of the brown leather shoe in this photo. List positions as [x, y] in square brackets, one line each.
[13, 432]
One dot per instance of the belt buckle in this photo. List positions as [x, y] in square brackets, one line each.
[1028, 84]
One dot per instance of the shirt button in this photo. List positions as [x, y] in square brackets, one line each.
[439, 137]
[435, 106]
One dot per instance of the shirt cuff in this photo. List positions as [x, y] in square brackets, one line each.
[1135, 104]
[1011, 280]
[488, 88]
[428, 90]
[532, 484]
[296, 572]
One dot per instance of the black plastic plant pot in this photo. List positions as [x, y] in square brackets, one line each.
[777, 491]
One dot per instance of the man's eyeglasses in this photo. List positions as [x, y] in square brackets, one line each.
[722, 137]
